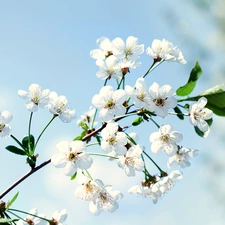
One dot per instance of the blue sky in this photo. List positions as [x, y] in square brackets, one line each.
[48, 43]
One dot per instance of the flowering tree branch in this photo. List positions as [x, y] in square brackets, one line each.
[24, 177]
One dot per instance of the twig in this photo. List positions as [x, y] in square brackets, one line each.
[24, 177]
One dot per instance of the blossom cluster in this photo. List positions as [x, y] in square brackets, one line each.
[58, 105]
[115, 59]
[35, 218]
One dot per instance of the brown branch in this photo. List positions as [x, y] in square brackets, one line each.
[24, 177]
[88, 136]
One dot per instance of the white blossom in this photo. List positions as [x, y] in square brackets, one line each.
[182, 157]
[59, 217]
[167, 182]
[71, 156]
[5, 128]
[109, 102]
[87, 117]
[165, 140]
[58, 105]
[145, 191]
[129, 50]
[105, 49]
[132, 160]
[32, 219]
[163, 49]
[105, 199]
[199, 114]
[158, 188]
[87, 189]
[35, 97]
[113, 140]
[162, 98]
[109, 68]
[140, 95]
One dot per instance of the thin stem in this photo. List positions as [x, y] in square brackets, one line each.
[178, 114]
[24, 177]
[96, 110]
[8, 217]
[105, 82]
[89, 174]
[91, 144]
[16, 216]
[154, 122]
[29, 128]
[20, 211]
[93, 120]
[152, 67]
[126, 115]
[121, 82]
[161, 171]
[17, 141]
[54, 116]
[104, 155]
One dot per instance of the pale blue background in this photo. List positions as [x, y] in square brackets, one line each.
[48, 43]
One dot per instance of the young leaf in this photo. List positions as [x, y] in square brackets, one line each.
[73, 176]
[80, 136]
[190, 85]
[137, 121]
[216, 101]
[12, 200]
[179, 113]
[15, 150]
[25, 143]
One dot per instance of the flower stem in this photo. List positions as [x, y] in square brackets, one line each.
[54, 116]
[152, 67]
[154, 122]
[17, 141]
[29, 128]
[91, 144]
[104, 155]
[122, 79]
[179, 114]
[93, 120]
[126, 115]
[24, 177]
[161, 171]
[20, 211]
[89, 174]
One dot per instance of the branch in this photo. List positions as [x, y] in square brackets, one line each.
[24, 177]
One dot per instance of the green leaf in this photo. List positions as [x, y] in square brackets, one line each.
[73, 176]
[83, 134]
[201, 133]
[15, 150]
[98, 138]
[25, 143]
[216, 101]
[137, 121]
[179, 113]
[190, 85]
[83, 125]
[31, 160]
[12, 200]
